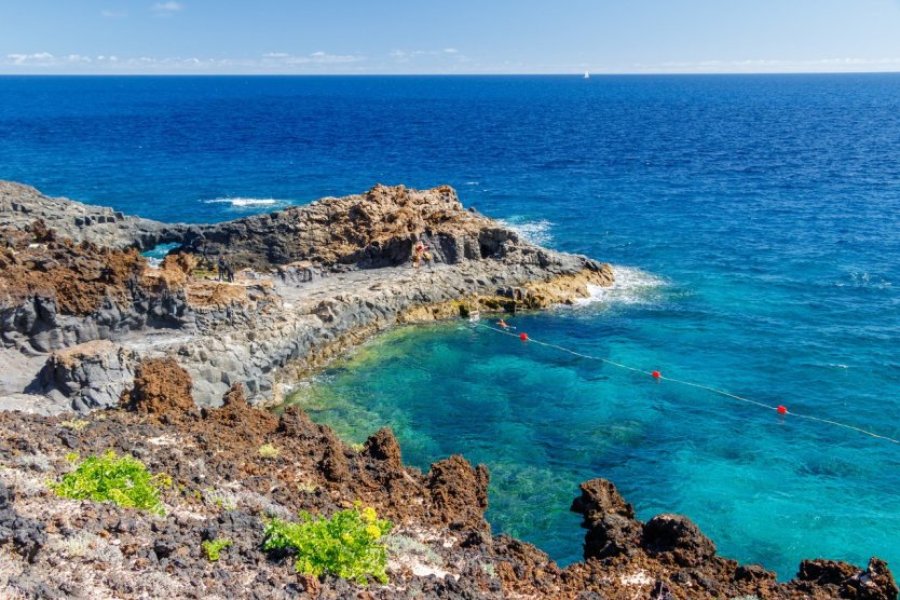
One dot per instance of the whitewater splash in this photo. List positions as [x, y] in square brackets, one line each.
[536, 232]
[631, 286]
[246, 202]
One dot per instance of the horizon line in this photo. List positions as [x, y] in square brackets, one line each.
[496, 74]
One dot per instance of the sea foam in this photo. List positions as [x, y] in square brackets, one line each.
[536, 232]
[246, 202]
[631, 286]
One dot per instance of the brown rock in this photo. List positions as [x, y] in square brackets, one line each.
[161, 386]
[677, 537]
[236, 412]
[600, 497]
[334, 464]
[459, 492]
[609, 519]
[294, 423]
[78, 278]
[826, 572]
[383, 446]
[875, 583]
[847, 581]
[234, 398]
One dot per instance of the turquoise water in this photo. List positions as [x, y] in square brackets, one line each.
[754, 222]
[768, 489]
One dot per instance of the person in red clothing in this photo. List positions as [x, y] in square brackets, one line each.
[418, 253]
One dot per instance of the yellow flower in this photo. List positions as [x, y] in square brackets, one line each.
[347, 537]
[373, 531]
[369, 515]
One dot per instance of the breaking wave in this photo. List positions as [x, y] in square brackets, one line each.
[246, 202]
[536, 232]
[632, 286]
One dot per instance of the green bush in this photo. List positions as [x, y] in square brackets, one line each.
[268, 451]
[74, 424]
[347, 545]
[124, 481]
[212, 548]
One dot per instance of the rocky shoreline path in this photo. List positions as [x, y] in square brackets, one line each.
[79, 308]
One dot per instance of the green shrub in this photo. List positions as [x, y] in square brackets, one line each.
[268, 451]
[124, 481]
[347, 545]
[212, 548]
[74, 424]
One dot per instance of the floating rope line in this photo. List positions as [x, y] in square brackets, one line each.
[780, 409]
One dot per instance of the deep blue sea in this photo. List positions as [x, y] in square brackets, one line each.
[754, 223]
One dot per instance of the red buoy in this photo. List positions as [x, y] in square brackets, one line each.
[656, 374]
[782, 409]
[523, 337]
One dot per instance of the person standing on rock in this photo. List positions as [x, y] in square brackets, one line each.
[221, 267]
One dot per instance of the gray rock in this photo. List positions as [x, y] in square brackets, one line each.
[21, 205]
[321, 279]
[91, 375]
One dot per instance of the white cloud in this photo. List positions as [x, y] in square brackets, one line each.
[113, 14]
[406, 56]
[167, 8]
[272, 62]
[316, 58]
[38, 58]
[399, 61]
[822, 65]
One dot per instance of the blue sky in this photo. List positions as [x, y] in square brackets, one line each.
[437, 36]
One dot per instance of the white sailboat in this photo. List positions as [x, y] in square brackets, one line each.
[587, 75]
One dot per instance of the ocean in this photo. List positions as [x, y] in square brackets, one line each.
[753, 223]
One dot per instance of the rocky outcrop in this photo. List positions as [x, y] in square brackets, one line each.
[612, 528]
[459, 493]
[669, 556]
[160, 387]
[26, 536]
[22, 205]
[874, 583]
[55, 293]
[319, 280]
[223, 486]
[87, 376]
[373, 230]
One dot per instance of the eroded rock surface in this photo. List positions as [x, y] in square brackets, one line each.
[319, 279]
[224, 487]
[22, 205]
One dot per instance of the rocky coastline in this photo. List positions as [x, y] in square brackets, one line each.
[102, 350]
[224, 487]
[311, 282]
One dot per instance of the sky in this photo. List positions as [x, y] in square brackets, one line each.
[447, 37]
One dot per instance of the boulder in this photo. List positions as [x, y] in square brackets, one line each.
[609, 519]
